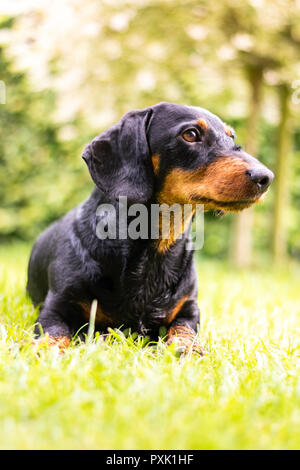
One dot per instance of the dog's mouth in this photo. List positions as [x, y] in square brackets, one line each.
[227, 206]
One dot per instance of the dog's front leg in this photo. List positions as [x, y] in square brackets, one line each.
[183, 329]
[52, 322]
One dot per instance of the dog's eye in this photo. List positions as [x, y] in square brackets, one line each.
[191, 135]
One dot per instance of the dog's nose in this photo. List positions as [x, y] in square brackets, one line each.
[261, 176]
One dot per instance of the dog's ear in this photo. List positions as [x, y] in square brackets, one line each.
[119, 159]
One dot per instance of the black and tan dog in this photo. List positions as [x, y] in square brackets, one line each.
[162, 154]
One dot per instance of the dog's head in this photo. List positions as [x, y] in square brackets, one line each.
[176, 154]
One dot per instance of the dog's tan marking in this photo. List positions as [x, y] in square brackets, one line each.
[185, 337]
[63, 342]
[222, 181]
[174, 312]
[178, 225]
[202, 123]
[155, 162]
[102, 320]
[228, 130]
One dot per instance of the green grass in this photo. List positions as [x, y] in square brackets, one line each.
[117, 394]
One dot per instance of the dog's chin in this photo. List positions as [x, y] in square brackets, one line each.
[228, 206]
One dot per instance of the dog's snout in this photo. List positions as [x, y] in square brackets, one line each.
[260, 176]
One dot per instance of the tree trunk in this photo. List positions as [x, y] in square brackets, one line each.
[279, 245]
[243, 223]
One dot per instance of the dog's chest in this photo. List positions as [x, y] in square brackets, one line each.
[149, 289]
[143, 296]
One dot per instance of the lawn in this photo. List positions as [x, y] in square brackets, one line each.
[121, 394]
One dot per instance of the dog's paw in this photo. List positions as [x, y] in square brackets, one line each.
[47, 341]
[185, 341]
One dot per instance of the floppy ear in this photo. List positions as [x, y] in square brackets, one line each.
[119, 159]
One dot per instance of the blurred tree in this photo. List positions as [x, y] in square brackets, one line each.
[121, 59]
[32, 157]
[242, 241]
[283, 162]
[254, 27]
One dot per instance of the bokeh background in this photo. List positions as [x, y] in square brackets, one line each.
[71, 68]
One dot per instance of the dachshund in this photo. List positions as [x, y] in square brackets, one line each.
[163, 155]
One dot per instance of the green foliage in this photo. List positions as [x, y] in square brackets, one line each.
[41, 177]
[294, 213]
